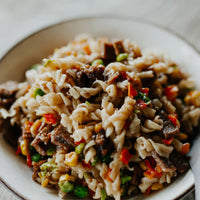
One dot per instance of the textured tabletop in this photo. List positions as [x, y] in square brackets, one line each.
[21, 18]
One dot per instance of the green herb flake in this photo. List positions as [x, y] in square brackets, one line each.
[95, 161]
[107, 158]
[48, 62]
[87, 102]
[39, 92]
[79, 148]
[103, 194]
[125, 179]
[136, 111]
[144, 97]
[175, 66]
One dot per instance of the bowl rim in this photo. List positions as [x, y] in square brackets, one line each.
[73, 19]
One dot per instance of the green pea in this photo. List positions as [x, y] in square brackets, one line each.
[97, 61]
[103, 194]
[79, 148]
[36, 157]
[51, 150]
[48, 166]
[81, 191]
[122, 56]
[66, 186]
[39, 92]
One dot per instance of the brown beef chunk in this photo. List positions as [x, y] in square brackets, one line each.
[108, 52]
[42, 138]
[11, 133]
[119, 47]
[7, 92]
[165, 164]
[104, 144]
[87, 76]
[169, 129]
[61, 138]
[180, 161]
[8, 88]
[137, 175]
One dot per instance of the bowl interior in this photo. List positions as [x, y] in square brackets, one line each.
[13, 170]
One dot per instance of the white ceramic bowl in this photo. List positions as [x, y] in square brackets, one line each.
[13, 170]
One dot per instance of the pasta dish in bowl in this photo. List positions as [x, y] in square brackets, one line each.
[100, 118]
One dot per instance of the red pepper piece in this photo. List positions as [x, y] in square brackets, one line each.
[173, 119]
[148, 191]
[151, 171]
[28, 160]
[171, 92]
[185, 148]
[152, 162]
[125, 156]
[18, 150]
[145, 90]
[86, 165]
[168, 141]
[149, 165]
[49, 118]
[28, 125]
[131, 91]
[108, 175]
[152, 174]
[127, 124]
[141, 103]
[81, 141]
[124, 75]
[91, 193]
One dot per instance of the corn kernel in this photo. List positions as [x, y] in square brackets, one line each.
[181, 136]
[143, 166]
[97, 127]
[193, 98]
[67, 177]
[158, 168]
[36, 125]
[45, 182]
[156, 186]
[71, 159]
[24, 147]
[40, 174]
